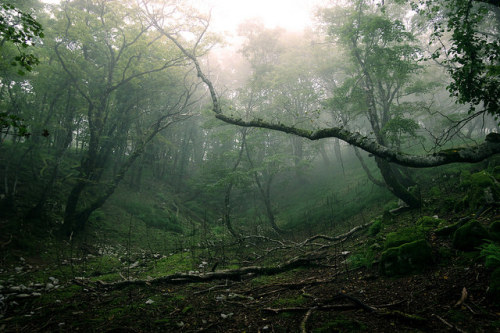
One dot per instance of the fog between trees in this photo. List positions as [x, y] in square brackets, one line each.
[115, 100]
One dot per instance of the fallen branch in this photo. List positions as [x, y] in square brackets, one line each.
[304, 321]
[338, 237]
[233, 274]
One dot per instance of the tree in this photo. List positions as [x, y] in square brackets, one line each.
[470, 154]
[473, 56]
[19, 29]
[111, 57]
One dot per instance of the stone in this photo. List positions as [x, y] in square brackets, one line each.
[469, 236]
[406, 259]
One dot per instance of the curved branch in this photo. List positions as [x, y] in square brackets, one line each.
[471, 154]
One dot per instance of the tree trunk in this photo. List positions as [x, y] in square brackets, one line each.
[391, 179]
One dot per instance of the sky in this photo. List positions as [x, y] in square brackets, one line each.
[293, 15]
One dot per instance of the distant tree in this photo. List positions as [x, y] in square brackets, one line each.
[394, 56]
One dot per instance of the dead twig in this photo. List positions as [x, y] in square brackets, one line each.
[462, 298]
[304, 321]
[448, 324]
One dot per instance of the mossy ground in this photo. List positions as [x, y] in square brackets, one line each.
[410, 302]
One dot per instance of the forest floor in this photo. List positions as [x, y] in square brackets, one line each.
[327, 294]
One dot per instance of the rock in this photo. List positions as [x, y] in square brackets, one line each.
[150, 301]
[54, 280]
[35, 294]
[495, 230]
[49, 286]
[469, 236]
[427, 223]
[403, 236]
[406, 258]
[18, 269]
[481, 188]
[23, 295]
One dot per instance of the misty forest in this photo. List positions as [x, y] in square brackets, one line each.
[160, 175]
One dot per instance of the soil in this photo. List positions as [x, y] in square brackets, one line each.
[451, 295]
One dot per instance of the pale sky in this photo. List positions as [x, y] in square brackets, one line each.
[293, 15]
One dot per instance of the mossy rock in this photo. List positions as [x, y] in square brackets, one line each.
[427, 223]
[494, 290]
[406, 259]
[481, 188]
[495, 230]
[469, 236]
[403, 236]
[375, 227]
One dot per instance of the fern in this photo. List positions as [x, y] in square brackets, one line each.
[491, 253]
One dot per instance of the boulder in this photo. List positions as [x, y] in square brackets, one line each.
[406, 259]
[469, 236]
[403, 236]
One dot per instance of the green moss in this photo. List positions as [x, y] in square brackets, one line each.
[362, 259]
[375, 227]
[491, 254]
[341, 324]
[427, 223]
[495, 230]
[481, 188]
[290, 302]
[179, 262]
[496, 172]
[407, 258]
[435, 192]
[469, 236]
[403, 236]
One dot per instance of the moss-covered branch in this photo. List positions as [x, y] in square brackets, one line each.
[470, 154]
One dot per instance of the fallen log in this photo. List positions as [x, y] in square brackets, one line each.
[231, 274]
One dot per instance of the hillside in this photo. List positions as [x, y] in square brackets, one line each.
[344, 281]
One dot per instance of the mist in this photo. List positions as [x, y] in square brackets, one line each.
[185, 166]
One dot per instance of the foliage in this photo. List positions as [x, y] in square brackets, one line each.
[491, 253]
[362, 258]
[22, 30]
[473, 60]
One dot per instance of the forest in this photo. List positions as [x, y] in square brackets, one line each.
[160, 175]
